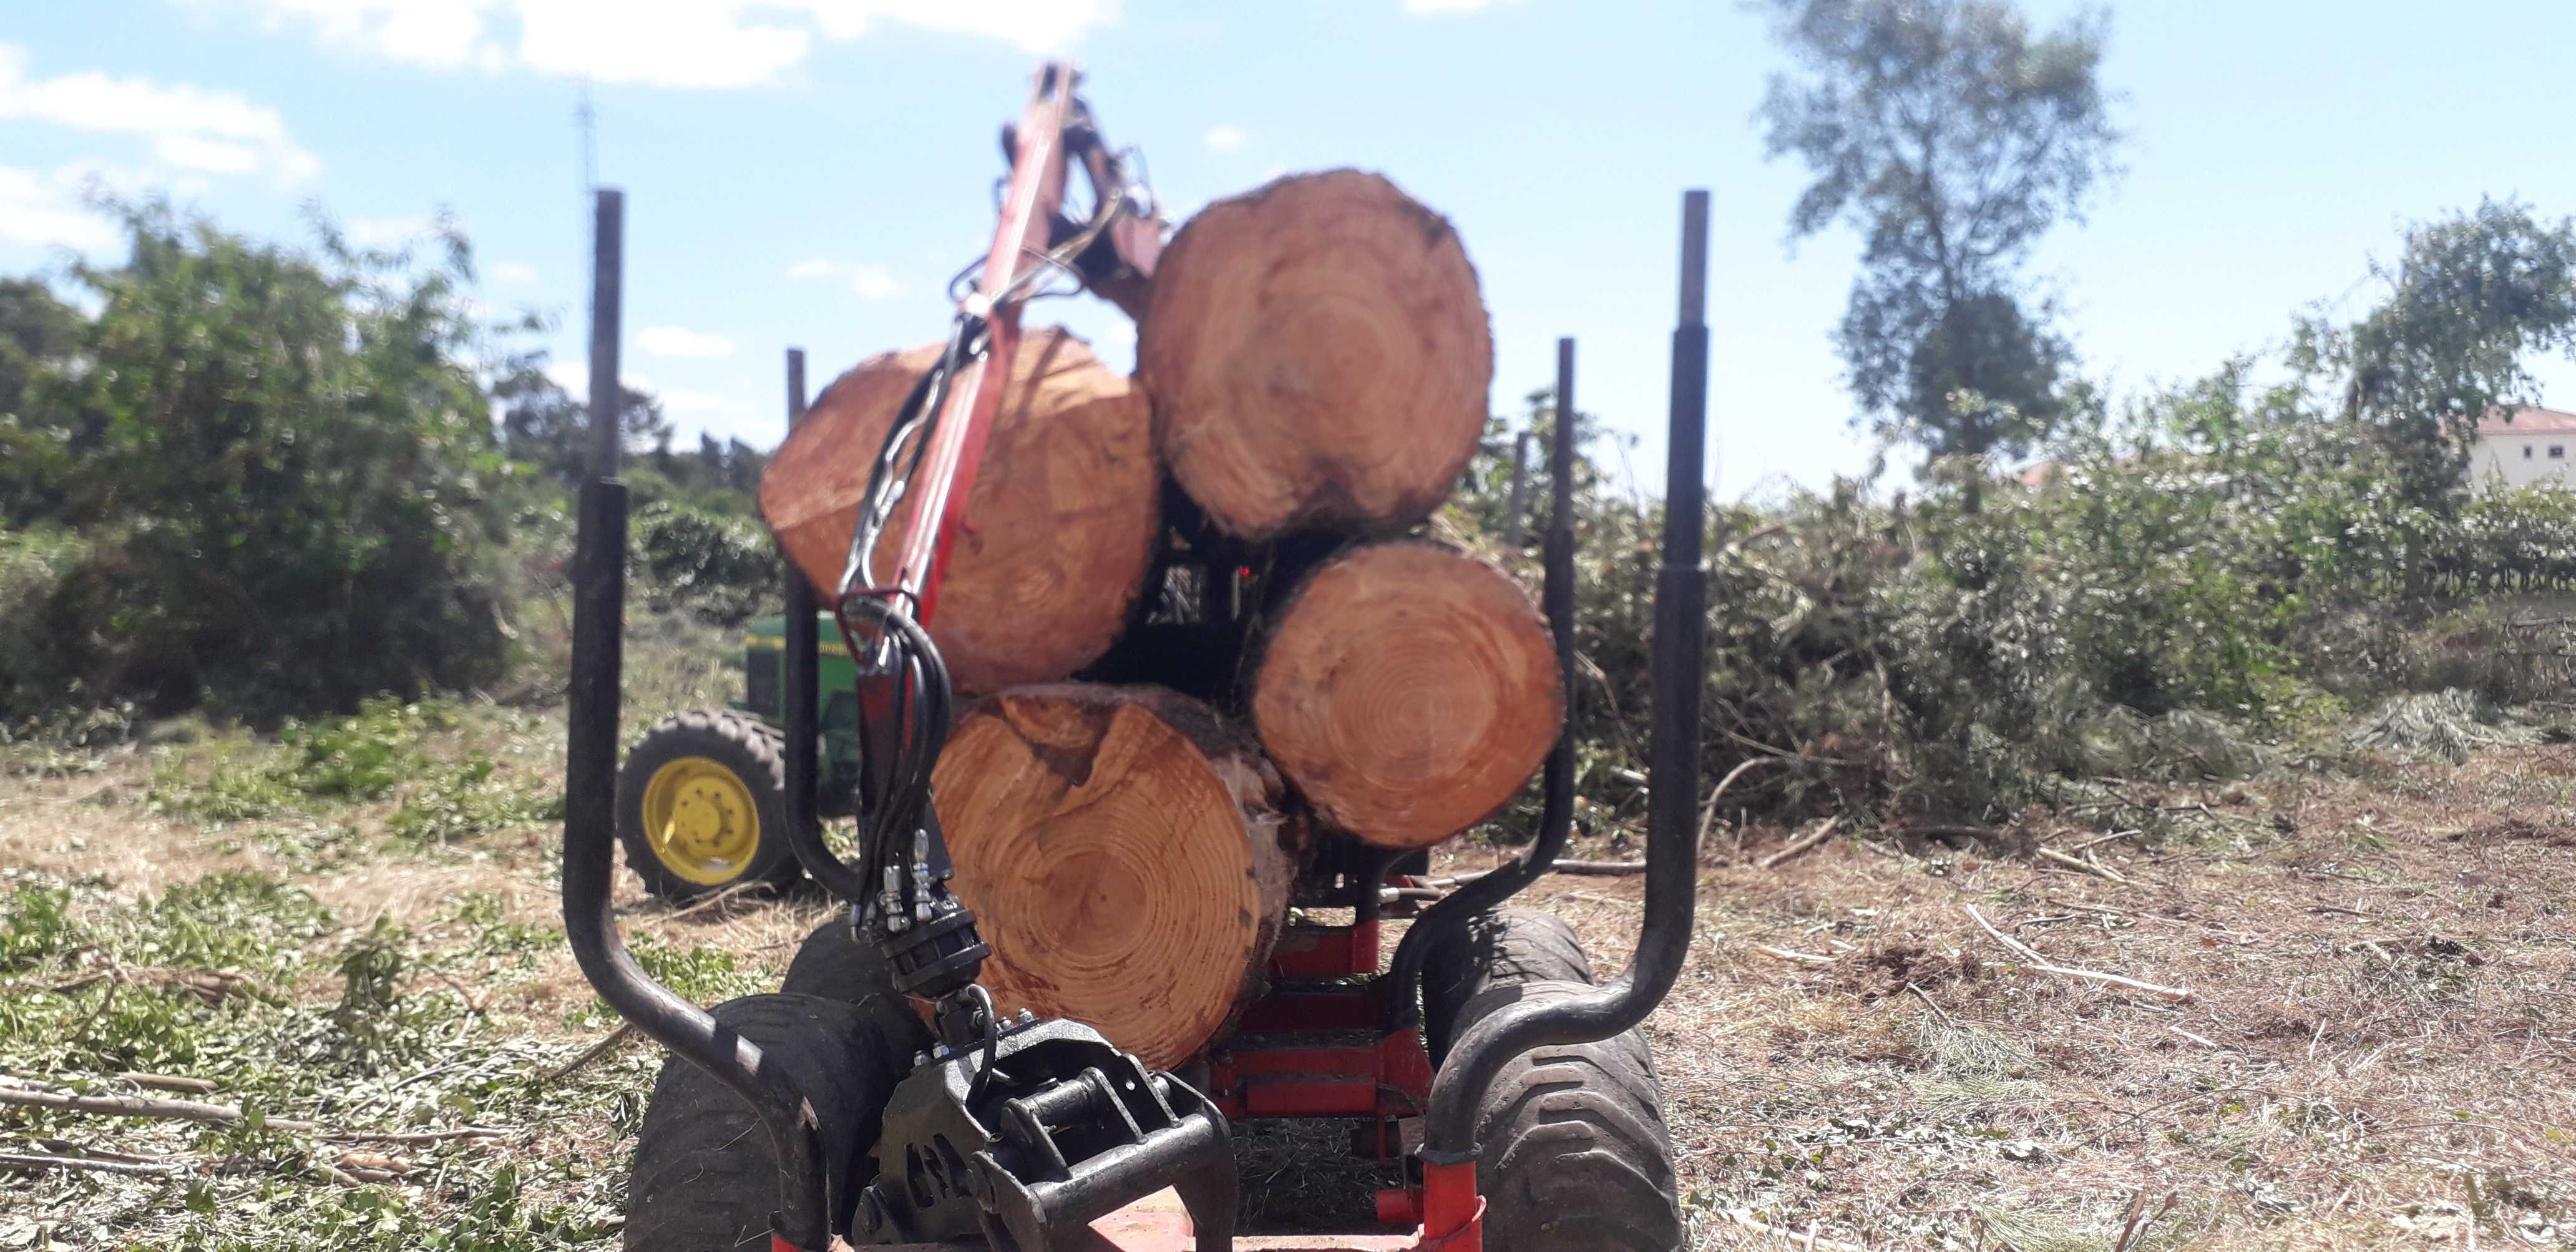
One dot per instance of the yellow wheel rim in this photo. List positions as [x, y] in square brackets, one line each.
[701, 821]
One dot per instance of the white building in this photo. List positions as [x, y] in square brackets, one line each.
[2535, 445]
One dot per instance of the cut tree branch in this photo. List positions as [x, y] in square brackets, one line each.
[2031, 957]
[218, 1114]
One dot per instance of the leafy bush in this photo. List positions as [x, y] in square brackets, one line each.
[264, 481]
[2206, 578]
[722, 567]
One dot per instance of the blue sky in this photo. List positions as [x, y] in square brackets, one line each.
[811, 171]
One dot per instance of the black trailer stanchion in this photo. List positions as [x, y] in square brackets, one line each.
[1448, 918]
[802, 1221]
[1681, 631]
[799, 672]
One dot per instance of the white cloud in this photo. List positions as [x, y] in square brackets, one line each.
[669, 43]
[1029, 25]
[680, 341]
[434, 34]
[1423, 7]
[44, 208]
[217, 132]
[1226, 137]
[214, 156]
[514, 273]
[872, 282]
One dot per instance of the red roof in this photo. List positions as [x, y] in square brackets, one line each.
[2529, 421]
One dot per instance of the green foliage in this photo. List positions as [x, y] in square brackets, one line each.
[548, 429]
[2211, 577]
[45, 651]
[722, 567]
[469, 799]
[35, 923]
[358, 757]
[1951, 137]
[383, 1048]
[375, 1026]
[282, 470]
[703, 974]
[2470, 298]
[233, 920]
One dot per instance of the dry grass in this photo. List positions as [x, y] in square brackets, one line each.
[2379, 1051]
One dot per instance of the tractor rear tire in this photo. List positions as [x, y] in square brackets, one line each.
[1496, 950]
[1576, 1155]
[705, 1175]
[702, 806]
[832, 965]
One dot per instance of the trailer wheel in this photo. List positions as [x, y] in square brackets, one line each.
[702, 805]
[832, 965]
[705, 1175]
[1506, 948]
[1576, 1156]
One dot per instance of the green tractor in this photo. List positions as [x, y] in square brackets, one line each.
[702, 799]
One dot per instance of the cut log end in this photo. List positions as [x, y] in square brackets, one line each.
[1060, 527]
[1318, 355]
[1123, 856]
[1409, 690]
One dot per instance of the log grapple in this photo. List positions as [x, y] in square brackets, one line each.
[1030, 1135]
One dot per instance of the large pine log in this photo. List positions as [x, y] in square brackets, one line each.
[1408, 690]
[1125, 858]
[1059, 529]
[1318, 355]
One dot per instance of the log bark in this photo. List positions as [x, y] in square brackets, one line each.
[1318, 356]
[1060, 527]
[1408, 690]
[1124, 855]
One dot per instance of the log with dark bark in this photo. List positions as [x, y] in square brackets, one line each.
[1408, 690]
[1060, 527]
[1124, 855]
[1318, 356]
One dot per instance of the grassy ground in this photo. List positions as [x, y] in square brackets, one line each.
[356, 928]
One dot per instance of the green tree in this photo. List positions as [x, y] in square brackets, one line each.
[1951, 137]
[2470, 299]
[548, 428]
[35, 331]
[280, 470]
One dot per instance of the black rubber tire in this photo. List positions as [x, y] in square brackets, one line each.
[834, 966]
[1506, 948]
[705, 1176]
[1576, 1155]
[741, 743]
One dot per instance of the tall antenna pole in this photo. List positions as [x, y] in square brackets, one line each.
[586, 120]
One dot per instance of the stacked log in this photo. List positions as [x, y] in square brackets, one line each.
[1125, 856]
[1060, 527]
[1318, 356]
[1408, 692]
[1313, 364]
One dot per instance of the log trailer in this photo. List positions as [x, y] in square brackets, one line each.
[883, 1099]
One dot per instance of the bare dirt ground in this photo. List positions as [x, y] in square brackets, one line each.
[2375, 1045]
